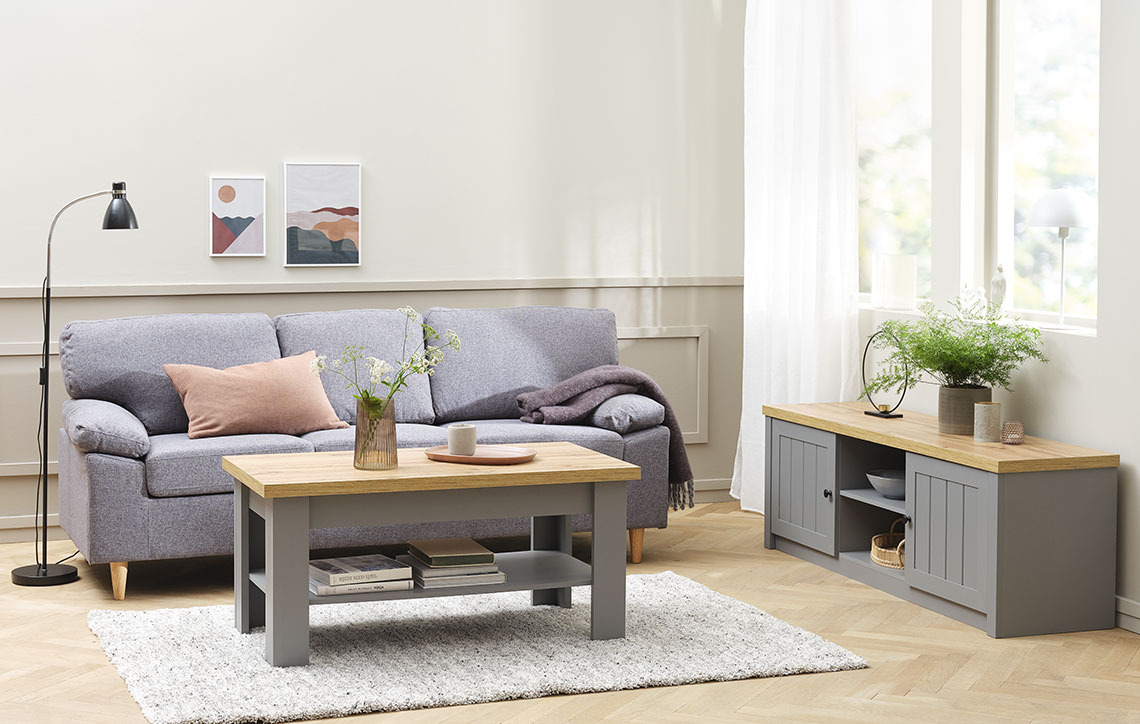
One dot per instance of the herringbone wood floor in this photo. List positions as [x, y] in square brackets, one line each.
[924, 668]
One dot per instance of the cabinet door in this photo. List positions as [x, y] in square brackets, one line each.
[801, 480]
[947, 541]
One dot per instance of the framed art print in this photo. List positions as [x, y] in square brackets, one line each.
[322, 214]
[237, 216]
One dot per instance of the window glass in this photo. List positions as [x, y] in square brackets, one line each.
[893, 100]
[1056, 54]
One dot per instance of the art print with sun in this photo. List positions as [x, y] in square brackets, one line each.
[237, 216]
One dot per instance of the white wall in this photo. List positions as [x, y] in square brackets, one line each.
[514, 152]
[499, 139]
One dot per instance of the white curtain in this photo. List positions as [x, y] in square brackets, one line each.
[800, 219]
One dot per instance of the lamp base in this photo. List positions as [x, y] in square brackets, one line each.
[53, 574]
[876, 413]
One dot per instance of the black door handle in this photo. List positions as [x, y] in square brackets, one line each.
[827, 492]
[906, 519]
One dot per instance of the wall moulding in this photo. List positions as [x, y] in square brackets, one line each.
[21, 522]
[194, 288]
[701, 380]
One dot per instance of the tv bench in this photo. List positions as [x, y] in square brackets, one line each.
[1015, 540]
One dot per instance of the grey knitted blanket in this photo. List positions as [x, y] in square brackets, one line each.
[571, 401]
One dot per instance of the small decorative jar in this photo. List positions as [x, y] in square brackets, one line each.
[1013, 433]
[375, 436]
[987, 421]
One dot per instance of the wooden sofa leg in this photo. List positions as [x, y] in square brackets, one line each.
[119, 580]
[636, 539]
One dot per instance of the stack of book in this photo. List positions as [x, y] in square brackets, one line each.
[451, 562]
[358, 574]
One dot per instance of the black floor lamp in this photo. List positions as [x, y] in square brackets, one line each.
[119, 215]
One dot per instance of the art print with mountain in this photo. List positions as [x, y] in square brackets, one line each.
[237, 217]
[322, 214]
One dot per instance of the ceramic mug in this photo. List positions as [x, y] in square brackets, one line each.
[461, 439]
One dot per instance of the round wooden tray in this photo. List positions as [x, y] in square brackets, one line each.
[484, 455]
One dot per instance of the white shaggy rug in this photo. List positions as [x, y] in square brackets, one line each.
[191, 664]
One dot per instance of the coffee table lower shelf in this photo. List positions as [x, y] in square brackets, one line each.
[526, 571]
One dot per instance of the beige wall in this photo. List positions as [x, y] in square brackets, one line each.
[584, 153]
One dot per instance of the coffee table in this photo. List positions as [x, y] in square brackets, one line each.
[278, 498]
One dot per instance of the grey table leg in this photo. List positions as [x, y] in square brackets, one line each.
[551, 533]
[287, 581]
[607, 589]
[249, 553]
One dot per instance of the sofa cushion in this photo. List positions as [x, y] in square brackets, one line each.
[508, 351]
[628, 413]
[279, 396]
[120, 360]
[98, 426]
[177, 465]
[408, 434]
[517, 432]
[380, 332]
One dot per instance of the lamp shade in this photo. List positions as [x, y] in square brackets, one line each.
[1064, 207]
[119, 214]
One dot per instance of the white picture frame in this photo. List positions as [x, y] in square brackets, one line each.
[236, 222]
[318, 202]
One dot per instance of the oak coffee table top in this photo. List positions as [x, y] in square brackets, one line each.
[291, 475]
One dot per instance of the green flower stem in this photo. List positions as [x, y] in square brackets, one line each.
[419, 362]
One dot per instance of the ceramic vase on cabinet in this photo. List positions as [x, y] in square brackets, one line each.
[956, 408]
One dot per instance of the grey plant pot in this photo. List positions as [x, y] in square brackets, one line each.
[956, 408]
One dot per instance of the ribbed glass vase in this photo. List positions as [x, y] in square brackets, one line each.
[375, 437]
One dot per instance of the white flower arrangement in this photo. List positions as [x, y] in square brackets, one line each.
[385, 379]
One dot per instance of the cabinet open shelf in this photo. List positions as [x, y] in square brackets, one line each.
[525, 570]
[863, 558]
[870, 496]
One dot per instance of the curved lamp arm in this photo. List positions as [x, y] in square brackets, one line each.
[51, 231]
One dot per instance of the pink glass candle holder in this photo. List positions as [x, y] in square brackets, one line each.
[1013, 433]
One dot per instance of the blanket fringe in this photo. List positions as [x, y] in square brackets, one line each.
[681, 495]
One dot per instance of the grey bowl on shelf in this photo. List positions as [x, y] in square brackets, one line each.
[890, 483]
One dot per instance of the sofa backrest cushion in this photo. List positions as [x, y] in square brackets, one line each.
[504, 352]
[120, 360]
[380, 332]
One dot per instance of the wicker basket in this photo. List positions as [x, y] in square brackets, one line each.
[887, 549]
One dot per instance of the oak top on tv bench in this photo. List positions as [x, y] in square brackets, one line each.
[289, 475]
[918, 433]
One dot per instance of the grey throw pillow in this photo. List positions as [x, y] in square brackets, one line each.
[628, 413]
[98, 426]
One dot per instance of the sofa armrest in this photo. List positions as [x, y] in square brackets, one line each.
[628, 413]
[98, 426]
[103, 505]
[648, 499]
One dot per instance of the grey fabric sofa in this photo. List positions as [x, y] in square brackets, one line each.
[133, 486]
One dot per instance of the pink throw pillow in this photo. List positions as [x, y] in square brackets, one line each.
[279, 396]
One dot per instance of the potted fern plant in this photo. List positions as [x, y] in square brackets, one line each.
[968, 351]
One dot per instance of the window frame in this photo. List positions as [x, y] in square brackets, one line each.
[971, 154]
[999, 180]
